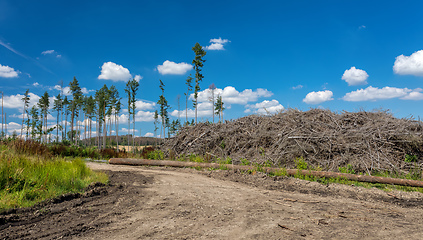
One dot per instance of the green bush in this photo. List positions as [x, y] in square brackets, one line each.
[301, 163]
[410, 158]
[156, 155]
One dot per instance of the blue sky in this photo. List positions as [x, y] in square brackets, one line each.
[262, 56]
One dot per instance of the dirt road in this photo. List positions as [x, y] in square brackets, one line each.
[164, 203]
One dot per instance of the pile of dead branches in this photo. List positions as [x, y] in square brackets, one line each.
[368, 141]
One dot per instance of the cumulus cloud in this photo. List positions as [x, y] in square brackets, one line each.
[217, 44]
[138, 78]
[66, 91]
[204, 110]
[15, 101]
[86, 91]
[8, 72]
[265, 107]
[141, 105]
[232, 96]
[172, 68]
[149, 134]
[114, 72]
[144, 116]
[318, 97]
[354, 76]
[409, 65]
[372, 94]
[414, 95]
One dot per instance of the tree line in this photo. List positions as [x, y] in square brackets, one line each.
[105, 107]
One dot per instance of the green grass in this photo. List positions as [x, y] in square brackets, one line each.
[301, 164]
[27, 179]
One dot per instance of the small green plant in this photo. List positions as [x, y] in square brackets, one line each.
[301, 164]
[195, 158]
[410, 158]
[415, 172]
[267, 163]
[245, 162]
[280, 173]
[222, 144]
[262, 152]
[156, 155]
[348, 169]
[223, 167]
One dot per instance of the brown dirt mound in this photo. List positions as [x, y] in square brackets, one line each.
[369, 141]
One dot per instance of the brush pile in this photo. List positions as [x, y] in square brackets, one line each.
[368, 141]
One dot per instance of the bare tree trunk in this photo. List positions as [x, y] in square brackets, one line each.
[133, 134]
[117, 132]
[129, 129]
[2, 117]
[104, 128]
[186, 109]
[85, 129]
[5, 123]
[23, 117]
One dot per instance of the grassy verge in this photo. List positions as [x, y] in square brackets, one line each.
[340, 180]
[28, 179]
[414, 174]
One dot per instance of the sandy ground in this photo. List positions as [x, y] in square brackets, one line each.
[168, 203]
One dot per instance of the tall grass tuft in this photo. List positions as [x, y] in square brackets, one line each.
[26, 179]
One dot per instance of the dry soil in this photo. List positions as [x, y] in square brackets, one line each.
[168, 203]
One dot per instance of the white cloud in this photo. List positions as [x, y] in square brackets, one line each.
[217, 44]
[318, 97]
[48, 52]
[409, 65]
[204, 110]
[66, 91]
[51, 52]
[141, 105]
[140, 116]
[138, 78]
[114, 72]
[149, 134]
[86, 91]
[173, 68]
[297, 87]
[414, 95]
[231, 96]
[125, 130]
[372, 94]
[15, 101]
[354, 76]
[36, 84]
[144, 116]
[8, 72]
[265, 107]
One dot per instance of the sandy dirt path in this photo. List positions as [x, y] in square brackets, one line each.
[168, 203]
[185, 205]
